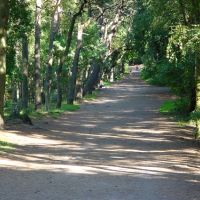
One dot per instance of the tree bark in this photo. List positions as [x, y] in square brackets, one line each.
[25, 60]
[93, 78]
[196, 11]
[73, 78]
[197, 72]
[54, 30]
[38, 17]
[114, 56]
[4, 11]
[197, 92]
[66, 52]
[183, 12]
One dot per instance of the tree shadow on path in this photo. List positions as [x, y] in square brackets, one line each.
[117, 147]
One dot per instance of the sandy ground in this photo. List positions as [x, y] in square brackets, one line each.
[115, 148]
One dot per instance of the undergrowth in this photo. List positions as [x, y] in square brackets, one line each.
[53, 111]
[178, 109]
[92, 96]
[6, 146]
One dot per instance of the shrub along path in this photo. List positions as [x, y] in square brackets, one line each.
[117, 147]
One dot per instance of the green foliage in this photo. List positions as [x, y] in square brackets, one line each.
[195, 116]
[6, 146]
[177, 106]
[107, 83]
[93, 96]
[184, 42]
[54, 112]
[166, 35]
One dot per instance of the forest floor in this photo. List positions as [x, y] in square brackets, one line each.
[118, 147]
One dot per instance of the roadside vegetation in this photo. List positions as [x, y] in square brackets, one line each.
[6, 146]
[165, 38]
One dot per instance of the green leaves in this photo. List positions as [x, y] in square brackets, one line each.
[184, 40]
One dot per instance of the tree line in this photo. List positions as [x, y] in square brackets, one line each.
[165, 36]
[53, 51]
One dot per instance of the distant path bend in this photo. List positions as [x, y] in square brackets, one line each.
[117, 147]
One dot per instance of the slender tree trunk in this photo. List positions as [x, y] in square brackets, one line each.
[54, 30]
[192, 99]
[25, 60]
[62, 61]
[59, 86]
[197, 82]
[73, 78]
[4, 10]
[114, 55]
[183, 12]
[197, 74]
[38, 17]
[66, 52]
[196, 11]
[15, 97]
[93, 78]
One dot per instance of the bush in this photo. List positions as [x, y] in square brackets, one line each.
[178, 106]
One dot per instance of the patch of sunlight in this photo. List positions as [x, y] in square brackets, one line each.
[28, 166]
[140, 130]
[107, 135]
[136, 170]
[193, 181]
[15, 138]
[103, 101]
[75, 169]
[89, 125]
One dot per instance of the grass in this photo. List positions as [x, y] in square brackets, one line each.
[6, 146]
[93, 96]
[179, 106]
[54, 112]
[178, 109]
[168, 107]
[107, 84]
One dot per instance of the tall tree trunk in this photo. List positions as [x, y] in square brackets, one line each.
[73, 78]
[4, 10]
[197, 82]
[183, 11]
[38, 17]
[197, 74]
[93, 78]
[114, 56]
[25, 60]
[54, 30]
[66, 52]
[196, 11]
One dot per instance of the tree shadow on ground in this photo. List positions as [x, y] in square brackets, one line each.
[120, 143]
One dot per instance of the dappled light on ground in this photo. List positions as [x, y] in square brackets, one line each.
[118, 144]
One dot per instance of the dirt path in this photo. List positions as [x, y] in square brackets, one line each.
[116, 148]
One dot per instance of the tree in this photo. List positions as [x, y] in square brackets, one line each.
[64, 56]
[38, 17]
[4, 11]
[40, 72]
[53, 32]
[25, 63]
[73, 78]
